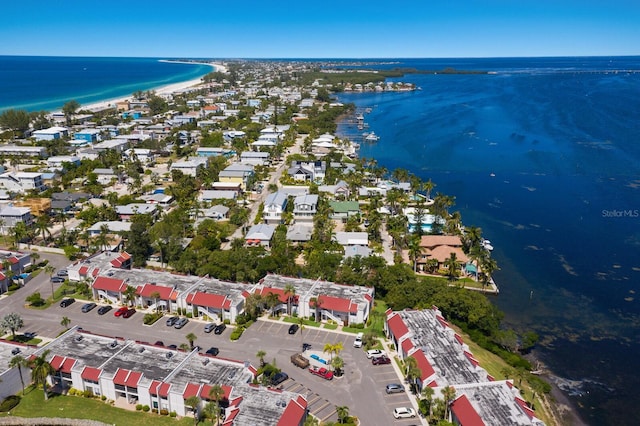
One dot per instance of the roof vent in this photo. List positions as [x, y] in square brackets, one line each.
[78, 338]
[169, 355]
[141, 349]
[205, 361]
[113, 344]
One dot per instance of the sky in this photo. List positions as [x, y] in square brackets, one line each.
[320, 29]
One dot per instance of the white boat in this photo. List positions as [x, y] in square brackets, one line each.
[486, 244]
[372, 137]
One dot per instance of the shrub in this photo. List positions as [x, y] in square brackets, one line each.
[145, 408]
[13, 287]
[35, 299]
[227, 321]
[103, 398]
[138, 407]
[236, 333]
[149, 319]
[164, 412]
[9, 402]
[71, 392]
[173, 414]
[87, 393]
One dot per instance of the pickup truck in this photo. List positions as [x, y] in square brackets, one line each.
[299, 361]
[322, 372]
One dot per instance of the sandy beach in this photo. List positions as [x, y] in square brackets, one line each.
[162, 90]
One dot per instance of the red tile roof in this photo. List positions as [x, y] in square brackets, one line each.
[465, 413]
[336, 304]
[83, 270]
[471, 358]
[525, 407]
[90, 373]
[62, 364]
[204, 392]
[397, 326]
[278, 291]
[458, 338]
[166, 293]
[110, 284]
[13, 260]
[159, 388]
[127, 378]
[294, 413]
[423, 364]
[406, 345]
[190, 390]
[209, 300]
[95, 272]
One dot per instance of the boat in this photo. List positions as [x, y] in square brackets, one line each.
[486, 244]
[372, 137]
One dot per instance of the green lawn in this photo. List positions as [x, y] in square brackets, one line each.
[76, 407]
[306, 321]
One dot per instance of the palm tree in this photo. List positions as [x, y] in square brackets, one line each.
[65, 322]
[449, 394]
[260, 355]
[216, 393]
[427, 395]
[343, 413]
[41, 370]
[412, 371]
[415, 250]
[42, 225]
[453, 267]
[49, 270]
[191, 338]
[129, 294]
[19, 362]
[193, 402]
[103, 237]
[290, 292]
[338, 364]
[210, 411]
[317, 303]
[155, 295]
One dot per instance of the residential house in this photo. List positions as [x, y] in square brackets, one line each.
[89, 135]
[120, 144]
[299, 233]
[260, 234]
[313, 171]
[236, 172]
[128, 211]
[23, 151]
[21, 182]
[106, 176]
[57, 162]
[51, 133]
[189, 167]
[342, 210]
[217, 212]
[215, 194]
[339, 191]
[352, 238]
[208, 151]
[274, 206]
[440, 248]
[305, 207]
[255, 158]
[10, 216]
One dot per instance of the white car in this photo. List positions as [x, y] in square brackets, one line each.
[373, 353]
[358, 342]
[403, 413]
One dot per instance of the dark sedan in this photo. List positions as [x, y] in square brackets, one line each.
[293, 328]
[104, 309]
[88, 306]
[379, 360]
[66, 302]
[128, 313]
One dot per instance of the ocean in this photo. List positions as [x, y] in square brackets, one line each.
[542, 154]
[46, 83]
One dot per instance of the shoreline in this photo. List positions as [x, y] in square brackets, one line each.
[160, 90]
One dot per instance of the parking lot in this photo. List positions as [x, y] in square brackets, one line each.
[361, 388]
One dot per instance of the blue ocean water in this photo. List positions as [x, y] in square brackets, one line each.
[45, 83]
[544, 156]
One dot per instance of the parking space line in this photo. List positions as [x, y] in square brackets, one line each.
[322, 407]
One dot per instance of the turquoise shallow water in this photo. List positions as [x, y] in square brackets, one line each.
[544, 156]
[45, 83]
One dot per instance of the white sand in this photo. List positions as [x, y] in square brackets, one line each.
[162, 90]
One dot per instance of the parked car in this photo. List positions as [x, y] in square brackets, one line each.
[174, 347]
[213, 351]
[394, 388]
[219, 328]
[159, 343]
[104, 309]
[180, 323]
[88, 306]
[66, 302]
[374, 353]
[208, 328]
[57, 280]
[380, 360]
[278, 378]
[120, 311]
[403, 412]
[299, 361]
[358, 342]
[128, 313]
[322, 372]
[171, 321]
[63, 273]
[293, 328]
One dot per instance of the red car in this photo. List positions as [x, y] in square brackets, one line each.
[379, 360]
[128, 313]
[120, 311]
[322, 372]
